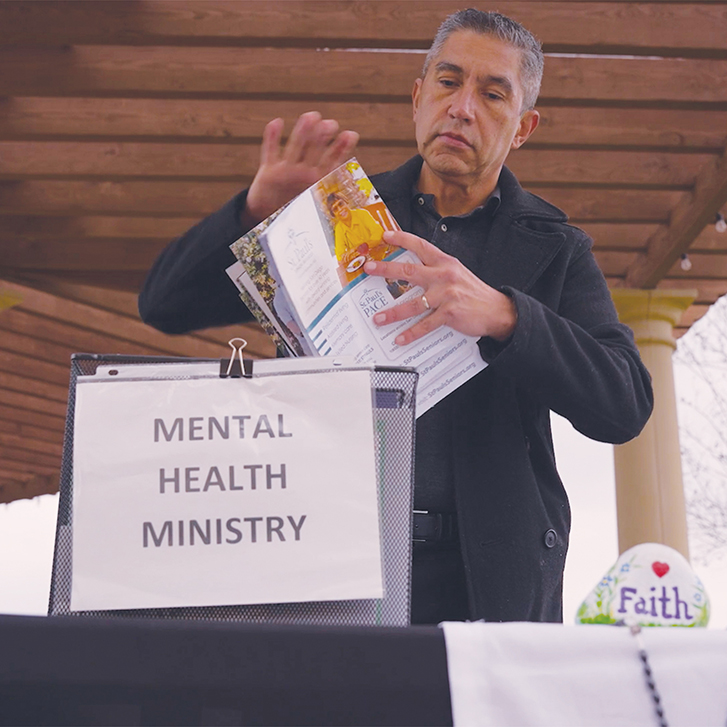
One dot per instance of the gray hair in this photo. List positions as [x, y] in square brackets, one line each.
[505, 29]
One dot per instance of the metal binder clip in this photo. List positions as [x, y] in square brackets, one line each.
[237, 367]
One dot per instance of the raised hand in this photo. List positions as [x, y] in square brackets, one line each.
[315, 148]
[455, 296]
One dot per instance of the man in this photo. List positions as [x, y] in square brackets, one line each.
[499, 263]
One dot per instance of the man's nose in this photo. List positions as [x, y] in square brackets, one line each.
[462, 104]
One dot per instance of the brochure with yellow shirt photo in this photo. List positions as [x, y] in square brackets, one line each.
[301, 273]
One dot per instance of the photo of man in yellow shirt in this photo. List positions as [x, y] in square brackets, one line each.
[358, 236]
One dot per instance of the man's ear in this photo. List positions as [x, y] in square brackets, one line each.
[415, 97]
[528, 123]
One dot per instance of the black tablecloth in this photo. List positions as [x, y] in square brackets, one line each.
[82, 671]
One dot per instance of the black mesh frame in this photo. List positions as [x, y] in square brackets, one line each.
[394, 395]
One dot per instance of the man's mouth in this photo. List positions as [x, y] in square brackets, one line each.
[454, 139]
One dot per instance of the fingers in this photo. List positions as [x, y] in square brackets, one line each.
[420, 329]
[416, 307]
[425, 251]
[270, 149]
[315, 142]
[303, 133]
[411, 272]
[340, 151]
[320, 138]
[412, 308]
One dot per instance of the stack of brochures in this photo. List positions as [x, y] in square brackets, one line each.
[301, 274]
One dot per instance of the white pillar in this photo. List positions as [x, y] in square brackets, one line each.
[649, 489]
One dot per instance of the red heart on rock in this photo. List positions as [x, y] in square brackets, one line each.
[661, 569]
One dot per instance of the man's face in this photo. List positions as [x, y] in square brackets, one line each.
[340, 210]
[467, 109]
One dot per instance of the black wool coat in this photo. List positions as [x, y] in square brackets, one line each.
[569, 354]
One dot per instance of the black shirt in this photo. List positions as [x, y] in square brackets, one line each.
[463, 237]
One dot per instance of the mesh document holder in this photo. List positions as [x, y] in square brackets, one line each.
[393, 407]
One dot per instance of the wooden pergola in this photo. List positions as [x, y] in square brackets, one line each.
[123, 123]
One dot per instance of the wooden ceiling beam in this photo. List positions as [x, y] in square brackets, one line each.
[690, 214]
[258, 73]
[201, 162]
[640, 27]
[150, 198]
[232, 120]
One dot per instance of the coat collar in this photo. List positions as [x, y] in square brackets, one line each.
[521, 242]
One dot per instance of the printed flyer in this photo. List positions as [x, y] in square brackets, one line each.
[301, 274]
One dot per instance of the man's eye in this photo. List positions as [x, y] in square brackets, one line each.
[448, 82]
[493, 96]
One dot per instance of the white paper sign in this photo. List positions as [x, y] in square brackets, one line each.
[217, 492]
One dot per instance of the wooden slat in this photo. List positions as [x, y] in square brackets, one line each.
[30, 367]
[55, 392]
[31, 403]
[601, 205]
[630, 127]
[108, 324]
[259, 344]
[608, 236]
[230, 120]
[689, 216]
[703, 266]
[80, 339]
[27, 345]
[17, 420]
[27, 486]
[232, 162]
[158, 231]
[28, 444]
[29, 228]
[709, 240]
[121, 280]
[11, 470]
[253, 72]
[561, 25]
[166, 198]
[693, 314]
[32, 461]
[614, 263]
[708, 289]
[80, 254]
[193, 162]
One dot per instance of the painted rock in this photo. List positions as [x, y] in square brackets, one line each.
[651, 585]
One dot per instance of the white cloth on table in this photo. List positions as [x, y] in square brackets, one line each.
[549, 674]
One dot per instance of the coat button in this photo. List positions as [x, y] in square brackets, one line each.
[550, 538]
